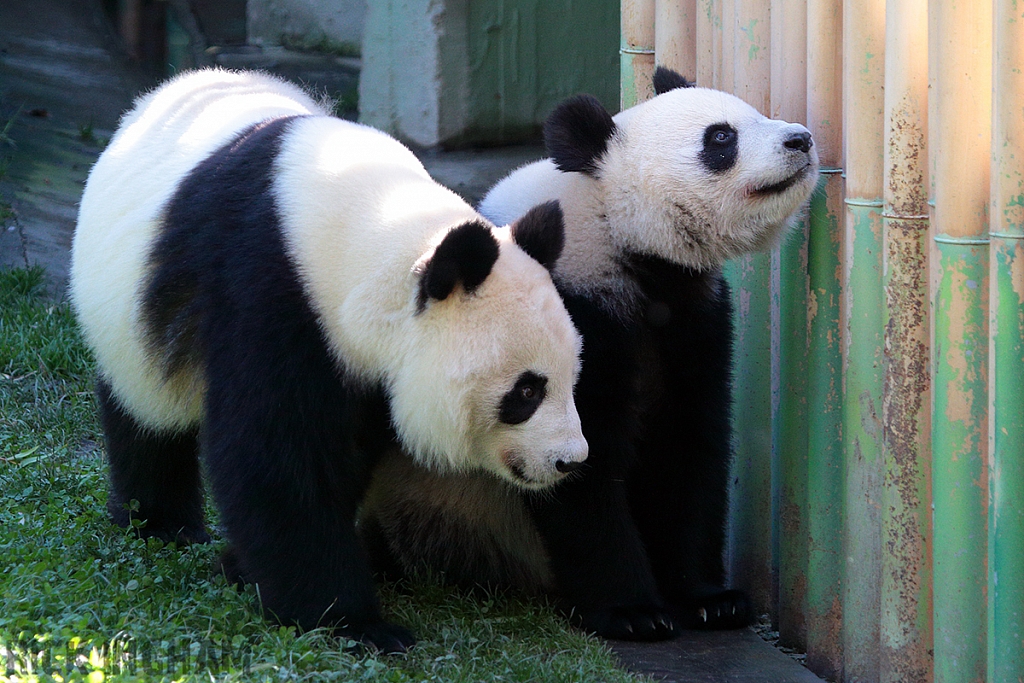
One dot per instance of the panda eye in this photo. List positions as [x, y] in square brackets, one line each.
[523, 399]
[721, 147]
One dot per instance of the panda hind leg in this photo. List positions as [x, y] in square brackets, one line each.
[155, 479]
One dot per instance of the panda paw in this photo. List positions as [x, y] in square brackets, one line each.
[180, 535]
[724, 609]
[382, 637]
[628, 622]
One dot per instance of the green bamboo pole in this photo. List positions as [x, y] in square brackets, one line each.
[755, 286]
[905, 629]
[789, 102]
[960, 172]
[1006, 356]
[751, 519]
[824, 384]
[636, 52]
[824, 396]
[863, 126]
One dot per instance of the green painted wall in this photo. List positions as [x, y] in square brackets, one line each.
[525, 56]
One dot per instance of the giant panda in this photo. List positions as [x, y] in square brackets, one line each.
[289, 294]
[656, 199]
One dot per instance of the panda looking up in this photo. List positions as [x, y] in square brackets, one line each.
[286, 293]
[655, 200]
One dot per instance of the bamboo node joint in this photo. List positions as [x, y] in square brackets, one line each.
[964, 241]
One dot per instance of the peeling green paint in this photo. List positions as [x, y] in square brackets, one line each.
[862, 437]
[1006, 484]
[751, 495]
[960, 462]
[825, 463]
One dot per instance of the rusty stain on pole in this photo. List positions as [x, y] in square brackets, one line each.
[906, 592]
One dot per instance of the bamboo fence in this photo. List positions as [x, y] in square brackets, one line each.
[877, 512]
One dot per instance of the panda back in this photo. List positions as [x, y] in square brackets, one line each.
[590, 264]
[159, 143]
[358, 210]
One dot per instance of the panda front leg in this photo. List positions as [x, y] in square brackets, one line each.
[602, 575]
[154, 476]
[679, 492]
[283, 445]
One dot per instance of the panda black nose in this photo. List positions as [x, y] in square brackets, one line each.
[800, 141]
[566, 466]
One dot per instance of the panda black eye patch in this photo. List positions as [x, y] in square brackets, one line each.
[721, 146]
[522, 400]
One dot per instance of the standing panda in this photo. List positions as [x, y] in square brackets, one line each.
[656, 199]
[279, 290]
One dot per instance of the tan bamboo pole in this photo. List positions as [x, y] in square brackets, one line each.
[752, 67]
[960, 141]
[725, 74]
[675, 35]
[1006, 352]
[863, 131]
[824, 383]
[636, 51]
[789, 102]
[906, 596]
[756, 369]
[708, 15]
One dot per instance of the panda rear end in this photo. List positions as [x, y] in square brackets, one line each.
[289, 295]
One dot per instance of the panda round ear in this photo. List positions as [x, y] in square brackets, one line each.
[576, 134]
[541, 233]
[465, 255]
[666, 79]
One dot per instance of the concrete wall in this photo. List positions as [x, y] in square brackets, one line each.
[323, 24]
[483, 71]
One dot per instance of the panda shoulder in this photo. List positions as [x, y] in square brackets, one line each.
[521, 190]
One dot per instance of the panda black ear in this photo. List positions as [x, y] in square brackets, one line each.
[541, 233]
[666, 79]
[576, 134]
[466, 255]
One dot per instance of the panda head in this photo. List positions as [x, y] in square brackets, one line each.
[491, 367]
[693, 175]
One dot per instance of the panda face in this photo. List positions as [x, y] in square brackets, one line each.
[694, 176]
[697, 176]
[490, 382]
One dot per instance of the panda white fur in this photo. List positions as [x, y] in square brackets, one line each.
[280, 289]
[655, 199]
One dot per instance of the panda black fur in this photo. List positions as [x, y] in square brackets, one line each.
[656, 199]
[287, 292]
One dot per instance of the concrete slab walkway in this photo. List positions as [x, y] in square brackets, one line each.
[64, 82]
[63, 86]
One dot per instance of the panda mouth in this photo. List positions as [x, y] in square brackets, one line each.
[781, 186]
[514, 464]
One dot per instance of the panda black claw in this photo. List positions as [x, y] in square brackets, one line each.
[383, 638]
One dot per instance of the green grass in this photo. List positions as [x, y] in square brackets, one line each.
[81, 600]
